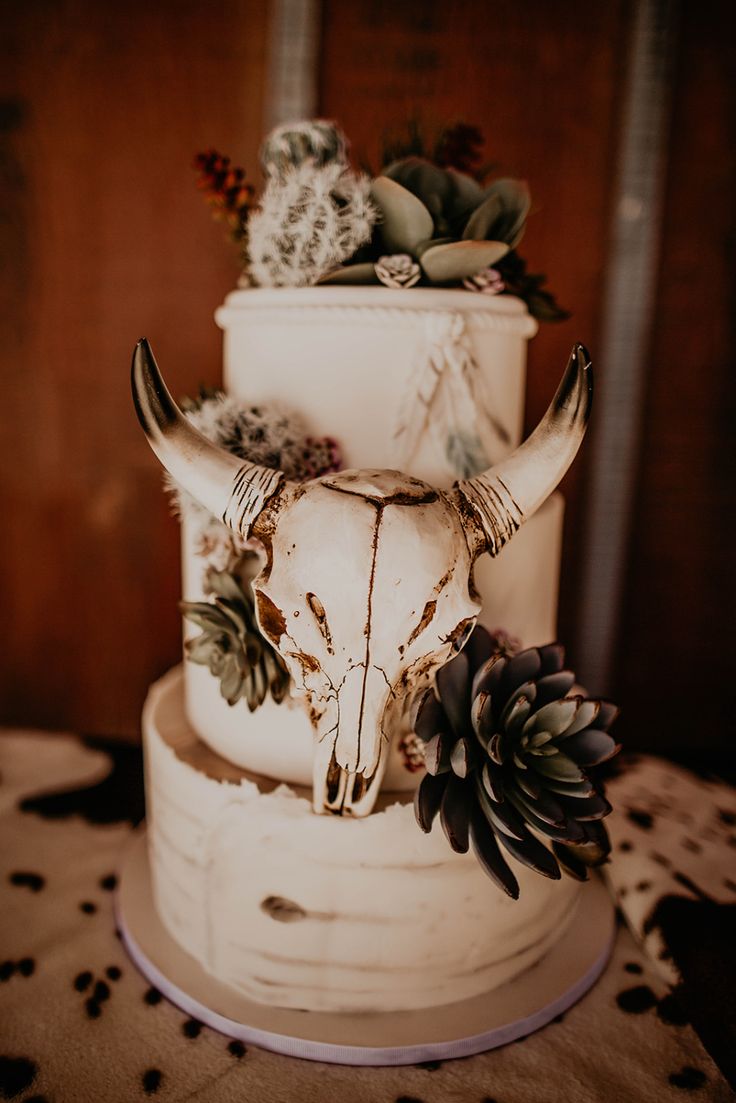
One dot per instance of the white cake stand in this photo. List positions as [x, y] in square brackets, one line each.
[460, 1029]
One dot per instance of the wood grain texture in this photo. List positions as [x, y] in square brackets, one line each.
[675, 666]
[542, 80]
[103, 108]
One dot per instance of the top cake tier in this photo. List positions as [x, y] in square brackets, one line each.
[407, 380]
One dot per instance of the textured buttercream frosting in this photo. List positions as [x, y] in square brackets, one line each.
[322, 912]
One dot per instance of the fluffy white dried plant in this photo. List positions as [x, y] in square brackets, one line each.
[312, 219]
[267, 434]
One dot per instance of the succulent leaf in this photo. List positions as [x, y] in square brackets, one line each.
[428, 716]
[453, 686]
[530, 852]
[405, 221]
[454, 813]
[427, 800]
[554, 717]
[461, 759]
[571, 864]
[554, 686]
[486, 849]
[590, 748]
[502, 214]
[350, 274]
[460, 259]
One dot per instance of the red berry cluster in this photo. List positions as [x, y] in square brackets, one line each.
[226, 191]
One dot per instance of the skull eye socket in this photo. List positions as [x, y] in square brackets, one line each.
[320, 616]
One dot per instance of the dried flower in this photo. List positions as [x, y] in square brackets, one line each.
[262, 434]
[459, 147]
[411, 749]
[226, 191]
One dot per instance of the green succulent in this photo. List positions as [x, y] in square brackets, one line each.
[443, 219]
[509, 754]
[231, 643]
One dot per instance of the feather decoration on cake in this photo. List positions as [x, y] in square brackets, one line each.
[447, 398]
[509, 755]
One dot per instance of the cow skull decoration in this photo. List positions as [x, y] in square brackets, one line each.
[367, 585]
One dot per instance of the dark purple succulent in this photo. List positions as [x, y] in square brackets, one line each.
[508, 756]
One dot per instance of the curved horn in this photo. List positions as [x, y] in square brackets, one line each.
[233, 490]
[503, 497]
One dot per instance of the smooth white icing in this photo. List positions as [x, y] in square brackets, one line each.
[351, 359]
[387, 918]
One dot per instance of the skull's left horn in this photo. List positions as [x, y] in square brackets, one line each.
[503, 497]
[233, 490]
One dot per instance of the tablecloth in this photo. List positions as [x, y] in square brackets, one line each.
[78, 1023]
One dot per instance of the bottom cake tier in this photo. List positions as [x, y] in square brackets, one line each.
[325, 913]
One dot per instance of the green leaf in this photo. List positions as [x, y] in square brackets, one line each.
[558, 766]
[460, 259]
[203, 613]
[234, 611]
[223, 584]
[405, 220]
[554, 717]
[430, 243]
[502, 215]
[518, 707]
[483, 218]
[231, 680]
[200, 648]
[586, 714]
[461, 758]
[349, 274]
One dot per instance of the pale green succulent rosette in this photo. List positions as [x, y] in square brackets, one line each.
[510, 753]
[230, 643]
[444, 220]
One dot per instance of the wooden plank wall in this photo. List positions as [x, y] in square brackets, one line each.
[104, 106]
[542, 82]
[102, 109]
[675, 671]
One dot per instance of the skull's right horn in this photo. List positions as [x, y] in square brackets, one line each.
[233, 490]
[503, 497]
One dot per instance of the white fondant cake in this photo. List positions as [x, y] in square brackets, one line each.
[327, 912]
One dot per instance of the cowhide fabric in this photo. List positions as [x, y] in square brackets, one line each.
[78, 1024]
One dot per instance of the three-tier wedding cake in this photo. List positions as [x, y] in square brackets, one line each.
[365, 457]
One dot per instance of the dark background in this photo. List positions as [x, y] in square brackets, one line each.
[105, 238]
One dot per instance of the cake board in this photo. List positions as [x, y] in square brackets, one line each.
[520, 1007]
